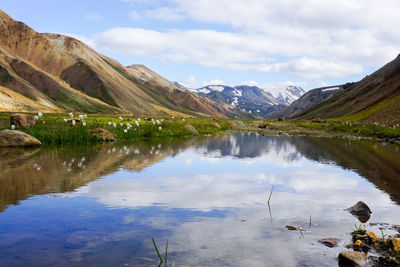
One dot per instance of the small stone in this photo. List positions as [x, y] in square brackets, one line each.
[22, 120]
[396, 244]
[14, 138]
[353, 257]
[357, 244]
[329, 242]
[361, 211]
[372, 236]
[191, 129]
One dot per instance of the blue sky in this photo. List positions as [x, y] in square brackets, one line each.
[262, 42]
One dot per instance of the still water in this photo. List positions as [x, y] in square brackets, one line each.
[102, 205]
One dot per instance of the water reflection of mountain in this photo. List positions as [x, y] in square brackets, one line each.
[248, 145]
[27, 172]
[379, 163]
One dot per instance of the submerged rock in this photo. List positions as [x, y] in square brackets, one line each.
[22, 120]
[102, 134]
[14, 138]
[191, 129]
[353, 257]
[329, 242]
[361, 211]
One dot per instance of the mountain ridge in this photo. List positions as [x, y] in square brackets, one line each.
[252, 99]
[374, 99]
[60, 73]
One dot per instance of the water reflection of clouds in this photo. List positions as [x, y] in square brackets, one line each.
[227, 220]
[324, 193]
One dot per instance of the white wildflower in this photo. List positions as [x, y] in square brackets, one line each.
[13, 127]
[114, 124]
[83, 123]
[121, 118]
[36, 118]
[160, 128]
[125, 130]
[109, 123]
[65, 120]
[71, 114]
[138, 119]
[121, 124]
[158, 122]
[137, 123]
[40, 114]
[73, 122]
[80, 117]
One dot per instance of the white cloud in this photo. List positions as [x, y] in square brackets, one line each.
[93, 16]
[309, 39]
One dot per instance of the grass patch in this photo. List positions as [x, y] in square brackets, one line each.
[52, 129]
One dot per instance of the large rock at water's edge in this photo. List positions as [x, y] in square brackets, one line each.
[13, 138]
[191, 129]
[353, 257]
[361, 210]
[22, 120]
[102, 134]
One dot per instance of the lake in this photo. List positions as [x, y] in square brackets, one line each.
[102, 205]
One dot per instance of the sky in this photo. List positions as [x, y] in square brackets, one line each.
[269, 43]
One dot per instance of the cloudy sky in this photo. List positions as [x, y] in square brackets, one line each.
[197, 42]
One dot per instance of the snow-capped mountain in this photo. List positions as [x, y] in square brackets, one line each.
[288, 94]
[252, 99]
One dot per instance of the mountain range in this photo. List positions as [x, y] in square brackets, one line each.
[55, 73]
[252, 99]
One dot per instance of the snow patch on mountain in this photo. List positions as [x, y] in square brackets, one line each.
[287, 94]
[204, 91]
[237, 92]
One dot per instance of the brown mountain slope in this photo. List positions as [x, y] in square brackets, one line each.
[71, 76]
[372, 99]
